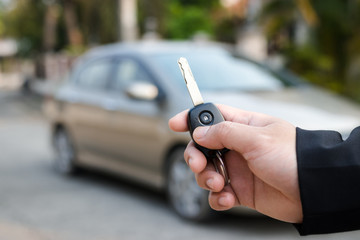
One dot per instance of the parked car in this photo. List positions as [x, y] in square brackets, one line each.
[112, 112]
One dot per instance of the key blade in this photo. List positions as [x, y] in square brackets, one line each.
[190, 82]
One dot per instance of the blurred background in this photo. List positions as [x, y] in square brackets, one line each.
[41, 39]
[318, 41]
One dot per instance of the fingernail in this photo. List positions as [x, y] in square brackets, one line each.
[210, 183]
[223, 201]
[200, 132]
[189, 162]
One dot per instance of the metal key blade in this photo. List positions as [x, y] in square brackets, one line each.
[198, 101]
[190, 82]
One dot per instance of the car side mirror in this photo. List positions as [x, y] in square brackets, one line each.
[142, 91]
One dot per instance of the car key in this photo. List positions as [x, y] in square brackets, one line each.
[203, 114]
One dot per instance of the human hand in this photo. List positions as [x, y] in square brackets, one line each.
[261, 162]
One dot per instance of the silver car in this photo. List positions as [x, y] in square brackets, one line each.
[112, 112]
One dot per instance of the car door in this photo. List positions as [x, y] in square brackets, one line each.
[136, 126]
[87, 115]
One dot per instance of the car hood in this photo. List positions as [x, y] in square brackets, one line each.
[312, 109]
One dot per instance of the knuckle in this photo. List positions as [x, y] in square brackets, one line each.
[200, 181]
[225, 131]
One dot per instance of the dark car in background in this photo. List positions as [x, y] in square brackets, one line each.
[112, 112]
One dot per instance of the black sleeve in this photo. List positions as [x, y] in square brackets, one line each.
[329, 181]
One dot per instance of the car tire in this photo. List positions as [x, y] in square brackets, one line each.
[65, 154]
[187, 199]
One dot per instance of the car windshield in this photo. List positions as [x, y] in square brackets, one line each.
[219, 70]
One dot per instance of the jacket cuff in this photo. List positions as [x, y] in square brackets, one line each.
[329, 181]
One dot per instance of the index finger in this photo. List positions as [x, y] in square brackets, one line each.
[178, 123]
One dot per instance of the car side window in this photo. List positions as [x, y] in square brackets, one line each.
[95, 75]
[127, 72]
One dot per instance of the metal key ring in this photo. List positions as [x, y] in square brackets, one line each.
[220, 167]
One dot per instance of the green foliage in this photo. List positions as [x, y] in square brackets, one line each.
[225, 30]
[330, 58]
[186, 21]
[313, 66]
[2, 28]
[2, 25]
[23, 22]
[151, 11]
[98, 21]
[186, 18]
[276, 16]
[203, 4]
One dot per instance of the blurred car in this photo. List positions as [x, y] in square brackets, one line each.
[112, 112]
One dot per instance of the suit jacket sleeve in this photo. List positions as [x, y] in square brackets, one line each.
[329, 181]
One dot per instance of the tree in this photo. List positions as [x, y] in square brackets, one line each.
[75, 36]
[330, 55]
[22, 22]
[50, 24]
[184, 18]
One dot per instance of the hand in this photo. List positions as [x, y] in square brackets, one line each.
[261, 163]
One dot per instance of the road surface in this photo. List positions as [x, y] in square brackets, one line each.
[36, 203]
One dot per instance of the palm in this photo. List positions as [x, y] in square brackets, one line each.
[253, 177]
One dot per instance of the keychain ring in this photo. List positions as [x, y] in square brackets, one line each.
[220, 167]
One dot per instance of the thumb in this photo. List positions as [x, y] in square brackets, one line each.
[230, 135]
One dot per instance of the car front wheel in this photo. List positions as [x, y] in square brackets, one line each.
[185, 196]
[65, 157]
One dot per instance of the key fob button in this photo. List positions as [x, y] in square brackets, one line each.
[206, 118]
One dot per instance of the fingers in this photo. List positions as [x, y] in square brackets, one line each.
[209, 179]
[227, 133]
[231, 135]
[178, 123]
[232, 114]
[205, 173]
[223, 200]
[194, 158]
